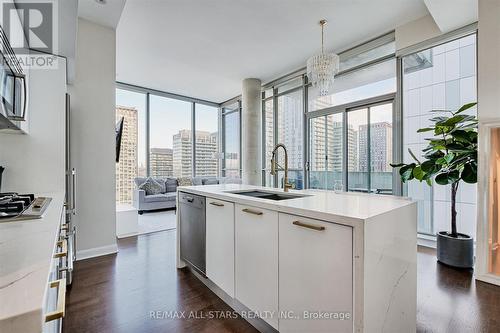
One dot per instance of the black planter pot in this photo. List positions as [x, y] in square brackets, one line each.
[455, 251]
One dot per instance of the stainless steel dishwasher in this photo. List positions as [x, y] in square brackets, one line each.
[192, 233]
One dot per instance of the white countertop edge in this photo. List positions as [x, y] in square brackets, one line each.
[29, 278]
[295, 206]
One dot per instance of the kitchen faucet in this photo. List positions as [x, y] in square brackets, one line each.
[276, 167]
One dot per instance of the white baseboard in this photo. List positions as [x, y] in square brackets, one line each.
[426, 241]
[96, 252]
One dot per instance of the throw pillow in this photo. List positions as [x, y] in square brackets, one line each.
[185, 181]
[151, 186]
[171, 184]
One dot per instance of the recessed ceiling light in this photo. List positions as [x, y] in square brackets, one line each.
[101, 2]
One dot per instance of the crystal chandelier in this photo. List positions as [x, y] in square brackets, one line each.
[321, 68]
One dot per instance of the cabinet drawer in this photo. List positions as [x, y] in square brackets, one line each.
[315, 274]
[220, 244]
[256, 263]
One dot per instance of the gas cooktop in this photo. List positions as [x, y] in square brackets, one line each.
[14, 206]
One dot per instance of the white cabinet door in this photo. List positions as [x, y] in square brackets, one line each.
[256, 261]
[315, 275]
[220, 244]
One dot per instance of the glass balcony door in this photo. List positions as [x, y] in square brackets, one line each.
[369, 148]
[352, 148]
[326, 152]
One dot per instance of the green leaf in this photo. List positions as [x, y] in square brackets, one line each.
[439, 119]
[426, 129]
[461, 135]
[454, 120]
[442, 179]
[418, 173]
[406, 172]
[469, 174]
[465, 107]
[428, 166]
[397, 165]
[429, 181]
[448, 158]
[446, 178]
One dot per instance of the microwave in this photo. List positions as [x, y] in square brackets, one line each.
[12, 92]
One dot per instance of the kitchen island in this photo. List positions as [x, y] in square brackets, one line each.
[304, 261]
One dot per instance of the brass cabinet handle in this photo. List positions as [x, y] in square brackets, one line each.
[218, 204]
[64, 249]
[251, 211]
[61, 300]
[309, 226]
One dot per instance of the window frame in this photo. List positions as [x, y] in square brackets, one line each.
[194, 101]
[468, 30]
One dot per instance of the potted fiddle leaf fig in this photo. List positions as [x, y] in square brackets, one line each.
[449, 159]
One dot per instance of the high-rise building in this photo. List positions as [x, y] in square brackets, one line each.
[380, 147]
[161, 162]
[206, 148]
[126, 169]
[290, 128]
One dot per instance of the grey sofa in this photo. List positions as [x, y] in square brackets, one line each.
[143, 202]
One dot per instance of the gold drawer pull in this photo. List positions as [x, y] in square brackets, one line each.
[218, 204]
[251, 211]
[61, 300]
[309, 226]
[63, 244]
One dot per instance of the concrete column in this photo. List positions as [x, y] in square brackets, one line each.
[251, 113]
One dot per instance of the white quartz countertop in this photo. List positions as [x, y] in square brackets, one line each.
[320, 204]
[26, 250]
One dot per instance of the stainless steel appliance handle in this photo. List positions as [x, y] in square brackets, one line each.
[73, 189]
[74, 242]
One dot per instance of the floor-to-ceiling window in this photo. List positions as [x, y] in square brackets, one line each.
[442, 77]
[283, 122]
[290, 123]
[207, 140]
[158, 137]
[231, 133]
[170, 137]
[131, 106]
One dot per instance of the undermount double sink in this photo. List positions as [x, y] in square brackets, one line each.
[269, 195]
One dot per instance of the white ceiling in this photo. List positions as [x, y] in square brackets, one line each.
[204, 49]
[452, 14]
[107, 14]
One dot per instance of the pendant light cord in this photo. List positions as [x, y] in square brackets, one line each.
[322, 23]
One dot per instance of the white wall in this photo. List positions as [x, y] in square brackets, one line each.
[36, 162]
[93, 138]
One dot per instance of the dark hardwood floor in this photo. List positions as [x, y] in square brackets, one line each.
[117, 293]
